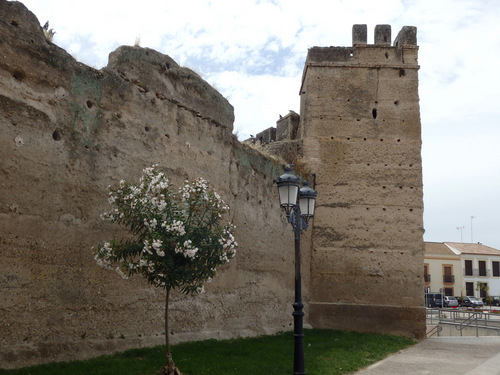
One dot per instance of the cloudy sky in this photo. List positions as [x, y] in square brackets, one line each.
[253, 52]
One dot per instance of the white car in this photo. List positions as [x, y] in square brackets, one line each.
[450, 301]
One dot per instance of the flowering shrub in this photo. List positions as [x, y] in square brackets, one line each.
[171, 231]
[177, 237]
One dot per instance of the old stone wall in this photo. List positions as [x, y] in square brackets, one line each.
[360, 126]
[67, 131]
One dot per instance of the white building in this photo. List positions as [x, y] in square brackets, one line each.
[462, 269]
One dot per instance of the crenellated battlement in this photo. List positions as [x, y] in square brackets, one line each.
[405, 38]
[399, 56]
[402, 53]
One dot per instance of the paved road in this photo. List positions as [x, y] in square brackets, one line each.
[443, 355]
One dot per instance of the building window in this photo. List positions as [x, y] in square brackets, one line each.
[496, 268]
[427, 276]
[482, 268]
[448, 277]
[448, 292]
[468, 268]
[469, 289]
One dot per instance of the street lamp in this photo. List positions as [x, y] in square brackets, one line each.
[297, 214]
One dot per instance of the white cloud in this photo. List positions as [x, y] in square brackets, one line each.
[265, 95]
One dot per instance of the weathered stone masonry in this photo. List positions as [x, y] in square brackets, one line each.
[362, 138]
[359, 136]
[67, 131]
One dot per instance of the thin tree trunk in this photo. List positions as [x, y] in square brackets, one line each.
[167, 340]
[169, 368]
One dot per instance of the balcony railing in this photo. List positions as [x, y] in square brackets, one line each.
[476, 273]
[484, 273]
[448, 279]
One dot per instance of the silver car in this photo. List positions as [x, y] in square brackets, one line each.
[450, 301]
[471, 301]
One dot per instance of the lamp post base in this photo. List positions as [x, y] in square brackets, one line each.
[298, 313]
[298, 358]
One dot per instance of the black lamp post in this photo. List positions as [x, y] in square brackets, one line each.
[298, 214]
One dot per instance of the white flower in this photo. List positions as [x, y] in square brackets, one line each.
[103, 256]
[102, 262]
[191, 253]
[121, 273]
[151, 224]
[187, 249]
[176, 226]
[200, 289]
[106, 249]
[147, 248]
[161, 205]
[157, 246]
[109, 216]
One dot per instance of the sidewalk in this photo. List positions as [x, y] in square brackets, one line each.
[443, 355]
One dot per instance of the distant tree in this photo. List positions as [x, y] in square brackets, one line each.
[177, 238]
[483, 290]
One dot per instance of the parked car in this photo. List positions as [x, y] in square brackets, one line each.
[433, 300]
[450, 301]
[471, 301]
[494, 300]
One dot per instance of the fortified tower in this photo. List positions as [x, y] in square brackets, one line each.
[361, 139]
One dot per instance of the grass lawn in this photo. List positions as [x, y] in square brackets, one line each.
[326, 352]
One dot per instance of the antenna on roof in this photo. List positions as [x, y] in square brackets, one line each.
[471, 237]
[461, 233]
